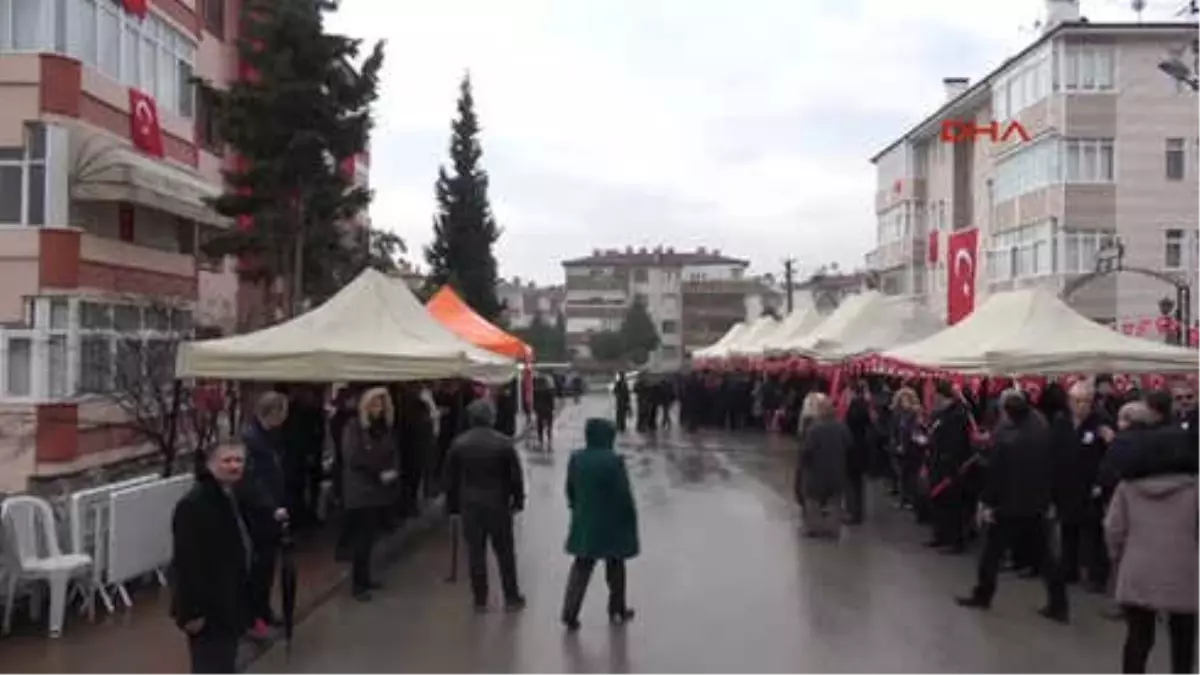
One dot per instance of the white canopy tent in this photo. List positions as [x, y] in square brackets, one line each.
[749, 343]
[864, 323]
[1034, 332]
[373, 330]
[794, 326]
[720, 347]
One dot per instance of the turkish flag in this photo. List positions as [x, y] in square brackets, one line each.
[144, 128]
[138, 8]
[933, 246]
[961, 254]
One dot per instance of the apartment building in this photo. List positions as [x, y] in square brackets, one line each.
[523, 300]
[107, 158]
[1111, 151]
[693, 296]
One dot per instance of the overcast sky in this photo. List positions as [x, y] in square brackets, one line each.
[743, 125]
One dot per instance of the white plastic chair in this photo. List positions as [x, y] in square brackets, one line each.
[34, 555]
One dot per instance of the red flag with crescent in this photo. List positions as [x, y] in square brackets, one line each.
[144, 128]
[961, 254]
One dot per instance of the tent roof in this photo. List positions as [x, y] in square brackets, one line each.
[717, 349]
[1032, 331]
[867, 322]
[373, 329]
[793, 327]
[748, 343]
[447, 307]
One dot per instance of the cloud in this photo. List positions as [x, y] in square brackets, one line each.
[742, 126]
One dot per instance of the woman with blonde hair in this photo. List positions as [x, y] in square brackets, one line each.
[906, 454]
[369, 476]
[821, 470]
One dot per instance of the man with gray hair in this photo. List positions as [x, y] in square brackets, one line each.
[485, 486]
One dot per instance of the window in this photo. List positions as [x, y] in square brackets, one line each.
[1022, 253]
[1089, 160]
[1078, 249]
[122, 343]
[56, 366]
[149, 54]
[1088, 67]
[670, 327]
[20, 367]
[1174, 249]
[21, 27]
[1175, 159]
[214, 17]
[23, 179]
[1030, 168]
[640, 275]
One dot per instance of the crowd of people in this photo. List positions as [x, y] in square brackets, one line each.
[1080, 485]
[393, 449]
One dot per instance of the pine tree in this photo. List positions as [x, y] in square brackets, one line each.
[299, 110]
[639, 335]
[464, 229]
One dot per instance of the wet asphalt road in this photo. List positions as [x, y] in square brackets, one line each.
[724, 584]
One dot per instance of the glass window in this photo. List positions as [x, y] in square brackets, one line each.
[149, 65]
[1104, 68]
[1088, 163]
[1175, 159]
[20, 367]
[27, 24]
[1072, 74]
[127, 318]
[1174, 249]
[60, 314]
[1087, 68]
[37, 195]
[87, 31]
[109, 40]
[130, 61]
[95, 316]
[158, 319]
[56, 366]
[1071, 264]
[185, 88]
[10, 194]
[129, 367]
[167, 83]
[95, 364]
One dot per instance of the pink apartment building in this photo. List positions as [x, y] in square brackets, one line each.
[107, 156]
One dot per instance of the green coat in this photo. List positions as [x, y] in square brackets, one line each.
[603, 515]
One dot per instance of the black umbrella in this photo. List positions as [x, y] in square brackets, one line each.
[287, 583]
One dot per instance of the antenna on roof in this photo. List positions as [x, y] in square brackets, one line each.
[1138, 6]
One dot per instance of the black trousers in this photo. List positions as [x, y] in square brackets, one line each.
[1005, 534]
[483, 525]
[949, 512]
[362, 530]
[1139, 639]
[622, 417]
[577, 584]
[545, 426]
[1083, 547]
[213, 651]
[262, 575]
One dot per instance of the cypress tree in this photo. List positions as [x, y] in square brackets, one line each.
[464, 229]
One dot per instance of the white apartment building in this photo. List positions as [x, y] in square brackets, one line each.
[691, 295]
[1112, 151]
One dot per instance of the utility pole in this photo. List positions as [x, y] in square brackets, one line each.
[789, 269]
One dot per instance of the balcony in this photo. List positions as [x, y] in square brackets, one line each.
[596, 284]
[723, 286]
[900, 189]
[897, 254]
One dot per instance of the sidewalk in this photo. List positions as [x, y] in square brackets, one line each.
[144, 639]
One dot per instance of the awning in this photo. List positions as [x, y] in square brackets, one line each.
[454, 313]
[110, 173]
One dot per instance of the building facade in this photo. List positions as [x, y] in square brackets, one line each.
[108, 156]
[1106, 150]
[693, 296]
[524, 300]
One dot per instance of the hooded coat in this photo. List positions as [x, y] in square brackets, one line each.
[604, 523]
[1152, 531]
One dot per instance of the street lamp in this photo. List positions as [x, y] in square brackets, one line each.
[1165, 307]
[1180, 72]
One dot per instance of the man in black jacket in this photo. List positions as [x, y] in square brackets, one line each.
[1016, 499]
[950, 438]
[1079, 446]
[485, 486]
[211, 561]
[860, 424]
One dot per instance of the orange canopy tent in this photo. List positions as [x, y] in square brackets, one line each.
[453, 313]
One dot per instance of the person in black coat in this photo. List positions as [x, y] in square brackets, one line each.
[485, 486]
[211, 559]
[949, 437]
[267, 486]
[621, 400]
[1017, 495]
[1187, 412]
[1078, 448]
[861, 426]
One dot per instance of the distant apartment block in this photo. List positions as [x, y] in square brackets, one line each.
[693, 296]
[1113, 151]
[523, 300]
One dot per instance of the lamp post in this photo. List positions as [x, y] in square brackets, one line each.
[1165, 307]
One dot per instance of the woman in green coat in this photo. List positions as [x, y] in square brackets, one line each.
[603, 522]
